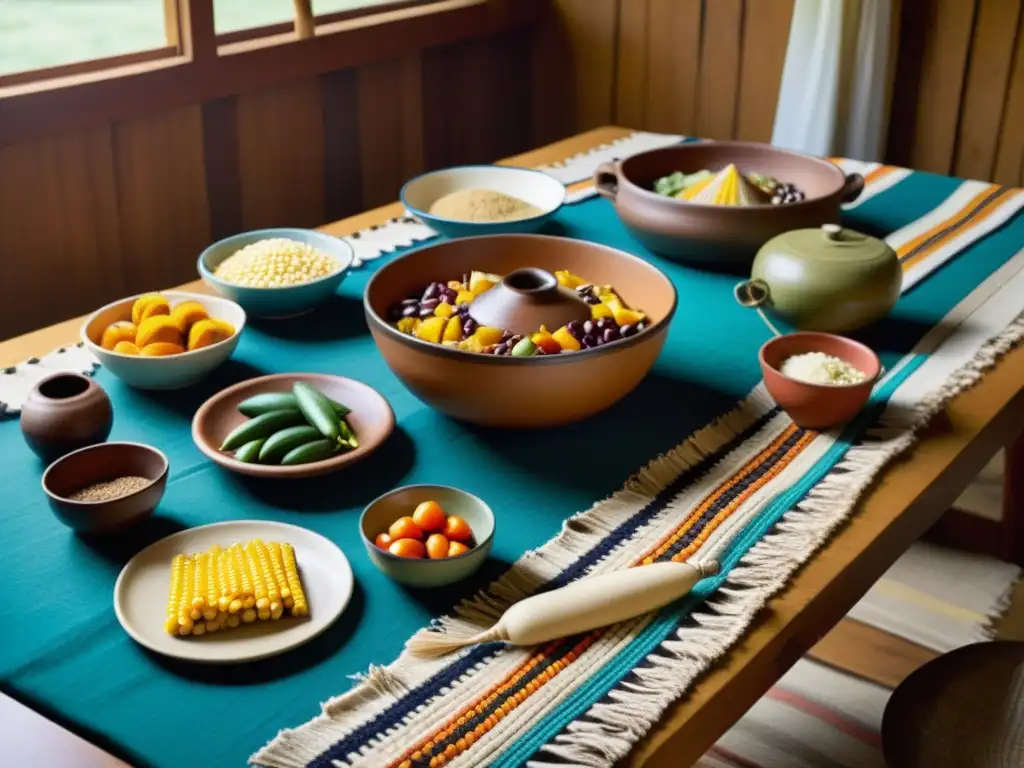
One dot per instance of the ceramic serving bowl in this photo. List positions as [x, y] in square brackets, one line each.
[282, 302]
[520, 392]
[173, 371]
[384, 510]
[536, 187]
[818, 406]
[99, 463]
[723, 235]
[371, 419]
[64, 412]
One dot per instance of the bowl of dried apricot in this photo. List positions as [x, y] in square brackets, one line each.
[164, 340]
[427, 535]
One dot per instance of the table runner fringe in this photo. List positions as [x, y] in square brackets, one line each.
[609, 729]
[380, 686]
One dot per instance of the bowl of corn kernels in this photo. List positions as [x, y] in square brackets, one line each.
[277, 273]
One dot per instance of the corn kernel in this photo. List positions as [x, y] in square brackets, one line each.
[275, 262]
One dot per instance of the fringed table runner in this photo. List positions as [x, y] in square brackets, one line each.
[749, 488]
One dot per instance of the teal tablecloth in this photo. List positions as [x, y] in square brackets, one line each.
[64, 653]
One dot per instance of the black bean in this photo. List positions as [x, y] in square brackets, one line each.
[501, 349]
[585, 288]
[591, 299]
[610, 334]
[506, 335]
[540, 351]
[430, 292]
[627, 331]
[461, 309]
[642, 325]
[430, 303]
[469, 326]
[451, 294]
[516, 338]
[411, 310]
[426, 312]
[589, 327]
[409, 302]
[588, 341]
[575, 329]
[395, 312]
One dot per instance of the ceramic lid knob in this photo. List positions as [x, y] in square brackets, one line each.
[832, 231]
[525, 300]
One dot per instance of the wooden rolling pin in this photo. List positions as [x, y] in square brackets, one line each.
[591, 602]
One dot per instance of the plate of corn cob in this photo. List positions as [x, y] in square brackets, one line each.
[232, 592]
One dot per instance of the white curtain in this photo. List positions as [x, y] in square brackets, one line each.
[833, 98]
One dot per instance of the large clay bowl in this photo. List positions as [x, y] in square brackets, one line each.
[721, 235]
[520, 392]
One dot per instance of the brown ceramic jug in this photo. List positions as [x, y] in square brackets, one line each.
[65, 412]
[525, 300]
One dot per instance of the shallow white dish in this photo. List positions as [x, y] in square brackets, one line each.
[173, 371]
[535, 187]
[140, 594]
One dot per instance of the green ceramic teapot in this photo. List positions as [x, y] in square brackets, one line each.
[830, 279]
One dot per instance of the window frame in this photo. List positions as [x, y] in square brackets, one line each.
[204, 66]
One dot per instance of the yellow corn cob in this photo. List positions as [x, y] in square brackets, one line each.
[244, 576]
[300, 608]
[199, 595]
[221, 576]
[234, 581]
[259, 586]
[185, 621]
[276, 609]
[199, 629]
[174, 594]
[269, 576]
[210, 572]
[233, 620]
[274, 550]
[249, 615]
[212, 625]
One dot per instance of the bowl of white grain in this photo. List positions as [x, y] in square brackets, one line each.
[474, 200]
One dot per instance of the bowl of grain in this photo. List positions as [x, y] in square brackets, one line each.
[483, 199]
[277, 273]
[821, 380]
[106, 487]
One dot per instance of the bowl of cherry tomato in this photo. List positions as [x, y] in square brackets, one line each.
[427, 535]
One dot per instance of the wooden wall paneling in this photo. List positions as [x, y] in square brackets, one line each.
[1009, 166]
[390, 109]
[343, 175]
[221, 162]
[721, 43]
[632, 64]
[985, 87]
[673, 65]
[592, 29]
[552, 111]
[58, 229]
[162, 204]
[281, 155]
[509, 95]
[766, 34]
[946, 26]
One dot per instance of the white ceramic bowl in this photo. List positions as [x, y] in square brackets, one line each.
[173, 371]
[535, 187]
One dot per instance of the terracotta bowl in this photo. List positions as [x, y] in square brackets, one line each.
[510, 391]
[818, 406]
[99, 463]
[371, 419]
[726, 235]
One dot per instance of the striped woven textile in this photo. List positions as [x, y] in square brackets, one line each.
[750, 490]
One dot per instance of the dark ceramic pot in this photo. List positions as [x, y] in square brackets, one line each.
[520, 392]
[65, 412]
[726, 236]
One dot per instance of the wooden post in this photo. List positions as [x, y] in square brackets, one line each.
[199, 39]
[305, 27]
[172, 30]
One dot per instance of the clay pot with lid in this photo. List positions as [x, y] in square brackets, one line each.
[65, 412]
[721, 236]
[827, 279]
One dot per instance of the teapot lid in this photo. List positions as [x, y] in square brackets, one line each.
[830, 242]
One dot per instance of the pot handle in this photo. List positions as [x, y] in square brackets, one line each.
[606, 179]
[852, 187]
[754, 294]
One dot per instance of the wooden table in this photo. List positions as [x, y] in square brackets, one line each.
[907, 500]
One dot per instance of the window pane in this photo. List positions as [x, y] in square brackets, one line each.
[321, 7]
[233, 15]
[47, 33]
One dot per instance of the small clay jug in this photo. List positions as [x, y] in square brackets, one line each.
[65, 412]
[525, 300]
